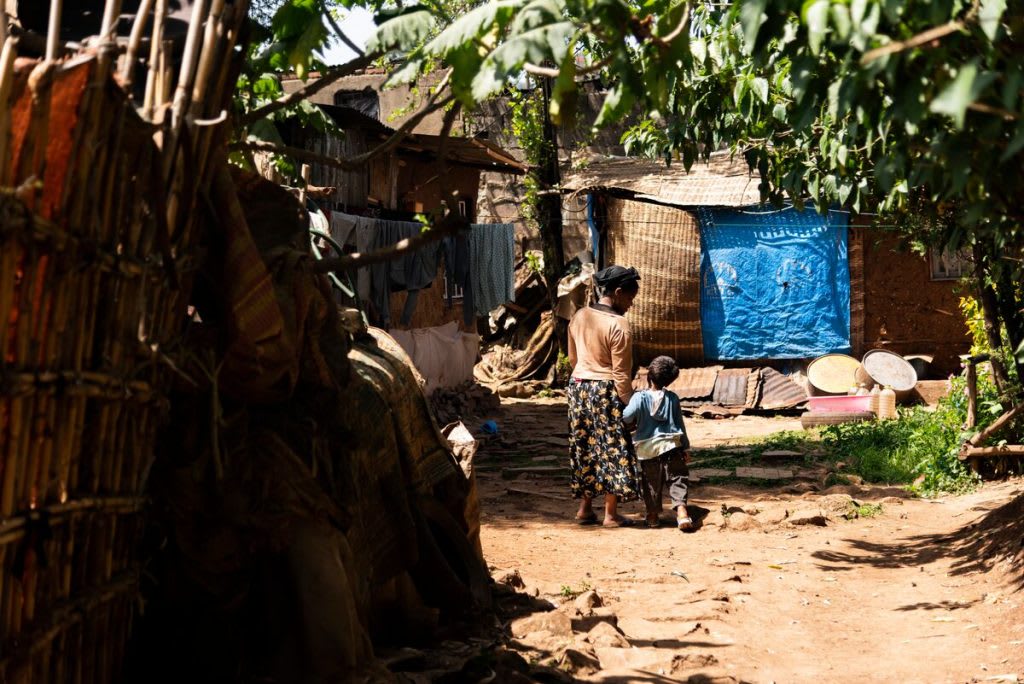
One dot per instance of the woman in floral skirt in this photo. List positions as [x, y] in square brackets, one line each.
[601, 455]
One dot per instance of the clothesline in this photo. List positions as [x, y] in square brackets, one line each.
[479, 261]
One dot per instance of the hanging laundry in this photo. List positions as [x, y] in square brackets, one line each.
[457, 270]
[360, 231]
[413, 271]
[491, 258]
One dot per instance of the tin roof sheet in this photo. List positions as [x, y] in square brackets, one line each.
[778, 391]
[731, 387]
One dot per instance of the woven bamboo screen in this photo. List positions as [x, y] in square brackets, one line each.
[663, 243]
[97, 250]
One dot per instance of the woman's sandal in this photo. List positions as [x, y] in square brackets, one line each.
[589, 519]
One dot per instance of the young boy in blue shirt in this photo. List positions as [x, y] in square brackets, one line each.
[662, 447]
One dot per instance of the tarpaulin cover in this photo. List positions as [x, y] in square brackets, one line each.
[774, 284]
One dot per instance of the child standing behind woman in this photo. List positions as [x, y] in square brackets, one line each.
[662, 447]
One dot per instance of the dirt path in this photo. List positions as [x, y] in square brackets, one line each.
[779, 588]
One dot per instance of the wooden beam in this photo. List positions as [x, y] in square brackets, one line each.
[989, 452]
[997, 425]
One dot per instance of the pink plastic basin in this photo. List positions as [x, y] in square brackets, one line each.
[833, 404]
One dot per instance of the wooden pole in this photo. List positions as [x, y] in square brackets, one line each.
[7, 56]
[997, 425]
[972, 395]
[53, 30]
[155, 50]
[188, 66]
[111, 15]
[134, 41]
[306, 169]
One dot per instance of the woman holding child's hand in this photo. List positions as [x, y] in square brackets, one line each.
[601, 455]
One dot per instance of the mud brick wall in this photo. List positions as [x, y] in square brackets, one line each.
[907, 312]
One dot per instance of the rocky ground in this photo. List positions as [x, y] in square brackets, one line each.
[786, 580]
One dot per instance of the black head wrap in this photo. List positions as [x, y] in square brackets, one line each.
[611, 278]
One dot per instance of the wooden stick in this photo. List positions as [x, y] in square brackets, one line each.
[997, 425]
[134, 41]
[980, 452]
[111, 15]
[306, 169]
[308, 91]
[7, 56]
[53, 30]
[972, 395]
[209, 55]
[186, 76]
[155, 48]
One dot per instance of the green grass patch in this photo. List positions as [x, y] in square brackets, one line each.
[918, 449]
[864, 510]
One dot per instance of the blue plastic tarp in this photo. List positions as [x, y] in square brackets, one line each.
[774, 284]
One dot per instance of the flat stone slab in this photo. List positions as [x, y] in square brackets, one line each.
[781, 454]
[765, 473]
[710, 472]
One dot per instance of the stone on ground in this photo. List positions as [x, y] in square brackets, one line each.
[556, 622]
[604, 635]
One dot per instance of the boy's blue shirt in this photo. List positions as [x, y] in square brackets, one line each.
[667, 420]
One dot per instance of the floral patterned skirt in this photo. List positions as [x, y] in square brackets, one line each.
[601, 456]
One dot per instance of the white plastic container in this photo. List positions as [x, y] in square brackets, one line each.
[874, 395]
[887, 404]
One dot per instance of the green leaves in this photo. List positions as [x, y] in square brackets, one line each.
[751, 17]
[989, 16]
[407, 28]
[299, 31]
[962, 91]
[759, 86]
[536, 45]
[815, 16]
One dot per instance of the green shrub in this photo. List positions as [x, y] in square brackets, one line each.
[918, 449]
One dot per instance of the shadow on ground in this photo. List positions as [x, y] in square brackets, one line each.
[976, 547]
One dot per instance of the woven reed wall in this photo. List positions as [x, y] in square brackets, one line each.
[663, 243]
[86, 305]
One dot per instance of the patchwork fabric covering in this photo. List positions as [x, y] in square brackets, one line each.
[774, 284]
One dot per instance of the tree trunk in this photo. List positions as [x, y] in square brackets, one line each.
[549, 211]
[989, 309]
[1009, 311]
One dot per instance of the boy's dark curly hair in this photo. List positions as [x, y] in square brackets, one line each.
[662, 371]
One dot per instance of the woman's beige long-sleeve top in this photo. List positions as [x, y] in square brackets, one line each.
[601, 348]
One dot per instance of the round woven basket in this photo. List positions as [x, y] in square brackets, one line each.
[882, 367]
[832, 374]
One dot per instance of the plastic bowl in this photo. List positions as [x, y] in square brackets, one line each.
[841, 404]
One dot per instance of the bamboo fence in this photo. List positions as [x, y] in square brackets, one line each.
[98, 238]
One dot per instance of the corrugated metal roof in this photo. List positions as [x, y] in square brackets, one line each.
[731, 387]
[753, 388]
[778, 391]
[722, 181]
[695, 383]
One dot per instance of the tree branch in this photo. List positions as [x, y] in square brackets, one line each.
[341, 35]
[335, 74]
[449, 225]
[998, 111]
[352, 163]
[916, 41]
[683, 22]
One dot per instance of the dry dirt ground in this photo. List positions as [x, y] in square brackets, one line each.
[775, 586]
